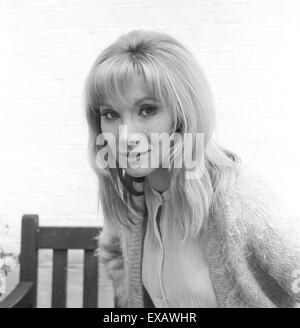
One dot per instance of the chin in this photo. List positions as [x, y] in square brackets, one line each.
[139, 172]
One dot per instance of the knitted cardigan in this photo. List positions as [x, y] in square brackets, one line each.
[252, 246]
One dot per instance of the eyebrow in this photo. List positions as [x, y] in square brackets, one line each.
[102, 103]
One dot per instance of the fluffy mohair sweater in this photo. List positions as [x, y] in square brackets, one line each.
[252, 246]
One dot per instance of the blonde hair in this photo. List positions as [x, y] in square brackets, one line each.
[179, 83]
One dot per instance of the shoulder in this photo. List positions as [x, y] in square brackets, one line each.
[249, 201]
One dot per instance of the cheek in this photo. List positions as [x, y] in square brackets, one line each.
[168, 122]
[111, 131]
[163, 123]
[110, 128]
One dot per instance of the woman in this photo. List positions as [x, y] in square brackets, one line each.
[206, 233]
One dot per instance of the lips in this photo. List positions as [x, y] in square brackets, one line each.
[137, 154]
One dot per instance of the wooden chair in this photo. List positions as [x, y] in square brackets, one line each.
[60, 239]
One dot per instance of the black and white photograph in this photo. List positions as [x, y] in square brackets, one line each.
[149, 156]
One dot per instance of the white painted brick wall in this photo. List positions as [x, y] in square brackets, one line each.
[249, 50]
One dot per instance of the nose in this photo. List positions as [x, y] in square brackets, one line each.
[129, 138]
[133, 141]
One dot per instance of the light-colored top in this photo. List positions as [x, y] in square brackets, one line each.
[252, 246]
[174, 274]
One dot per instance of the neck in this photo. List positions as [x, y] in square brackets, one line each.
[159, 179]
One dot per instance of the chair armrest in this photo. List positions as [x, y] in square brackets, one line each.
[20, 297]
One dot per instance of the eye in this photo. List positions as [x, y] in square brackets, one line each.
[109, 115]
[148, 110]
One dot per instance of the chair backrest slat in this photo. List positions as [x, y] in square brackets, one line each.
[60, 239]
[67, 237]
[59, 278]
[90, 280]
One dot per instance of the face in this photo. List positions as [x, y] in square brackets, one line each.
[132, 122]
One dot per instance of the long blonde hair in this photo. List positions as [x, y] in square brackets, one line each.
[179, 83]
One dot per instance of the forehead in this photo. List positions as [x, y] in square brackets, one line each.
[133, 91]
